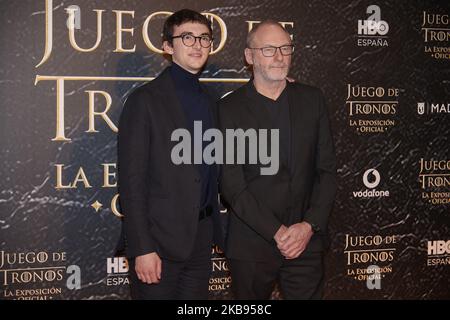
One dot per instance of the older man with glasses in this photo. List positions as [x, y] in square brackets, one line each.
[277, 229]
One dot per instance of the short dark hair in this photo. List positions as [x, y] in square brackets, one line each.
[180, 17]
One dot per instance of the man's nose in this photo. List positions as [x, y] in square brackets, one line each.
[278, 55]
[197, 44]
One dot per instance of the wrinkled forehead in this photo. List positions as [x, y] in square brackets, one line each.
[271, 35]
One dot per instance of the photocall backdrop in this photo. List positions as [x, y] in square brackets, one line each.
[384, 69]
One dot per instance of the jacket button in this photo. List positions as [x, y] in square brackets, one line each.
[197, 180]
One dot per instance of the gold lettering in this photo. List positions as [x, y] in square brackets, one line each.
[107, 174]
[93, 113]
[119, 31]
[114, 206]
[251, 23]
[223, 31]
[71, 12]
[147, 41]
[48, 31]
[60, 80]
[59, 184]
[60, 111]
[81, 177]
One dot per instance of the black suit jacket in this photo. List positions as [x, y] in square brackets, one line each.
[303, 192]
[160, 201]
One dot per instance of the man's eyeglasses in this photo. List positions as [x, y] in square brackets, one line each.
[189, 40]
[270, 51]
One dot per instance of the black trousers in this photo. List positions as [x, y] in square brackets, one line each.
[186, 280]
[299, 279]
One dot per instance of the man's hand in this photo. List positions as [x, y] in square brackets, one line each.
[148, 268]
[279, 234]
[294, 241]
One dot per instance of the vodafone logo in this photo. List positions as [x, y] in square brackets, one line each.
[371, 179]
[374, 176]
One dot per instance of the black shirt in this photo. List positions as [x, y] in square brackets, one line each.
[278, 111]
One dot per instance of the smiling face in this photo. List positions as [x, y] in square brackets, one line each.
[274, 68]
[192, 58]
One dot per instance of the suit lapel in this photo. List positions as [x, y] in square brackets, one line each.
[172, 105]
[294, 112]
[169, 95]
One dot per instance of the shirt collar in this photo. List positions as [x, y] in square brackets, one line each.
[184, 78]
[256, 95]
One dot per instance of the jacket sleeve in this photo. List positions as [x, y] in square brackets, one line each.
[234, 189]
[324, 187]
[133, 158]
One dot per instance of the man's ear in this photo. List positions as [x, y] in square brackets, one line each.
[248, 56]
[167, 47]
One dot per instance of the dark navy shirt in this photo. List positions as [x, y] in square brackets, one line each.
[195, 104]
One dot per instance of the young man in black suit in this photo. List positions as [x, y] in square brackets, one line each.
[278, 225]
[170, 211]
